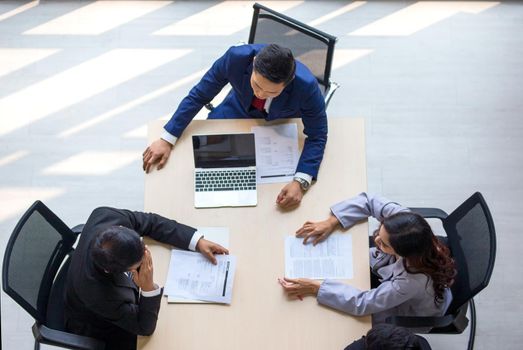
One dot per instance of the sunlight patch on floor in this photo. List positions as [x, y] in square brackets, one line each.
[93, 163]
[79, 83]
[419, 16]
[224, 18]
[97, 17]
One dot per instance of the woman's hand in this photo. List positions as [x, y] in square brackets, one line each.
[318, 231]
[299, 287]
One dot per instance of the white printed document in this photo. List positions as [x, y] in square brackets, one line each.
[218, 235]
[192, 276]
[331, 258]
[276, 152]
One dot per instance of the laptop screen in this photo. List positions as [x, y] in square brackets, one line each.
[224, 151]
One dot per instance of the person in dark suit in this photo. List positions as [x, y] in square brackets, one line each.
[110, 291]
[389, 337]
[267, 82]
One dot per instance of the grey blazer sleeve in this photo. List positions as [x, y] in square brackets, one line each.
[350, 211]
[353, 301]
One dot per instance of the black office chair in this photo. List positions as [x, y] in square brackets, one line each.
[471, 237]
[309, 45]
[34, 274]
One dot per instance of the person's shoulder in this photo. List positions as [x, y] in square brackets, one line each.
[405, 281]
[105, 216]
[244, 51]
[304, 76]
[103, 211]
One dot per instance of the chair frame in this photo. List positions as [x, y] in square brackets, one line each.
[455, 322]
[57, 265]
[330, 40]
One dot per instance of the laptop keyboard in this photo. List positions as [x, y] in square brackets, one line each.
[225, 180]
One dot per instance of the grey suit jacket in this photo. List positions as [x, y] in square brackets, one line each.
[400, 293]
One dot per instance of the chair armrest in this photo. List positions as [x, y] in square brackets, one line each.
[330, 92]
[430, 213]
[420, 322]
[45, 335]
[78, 229]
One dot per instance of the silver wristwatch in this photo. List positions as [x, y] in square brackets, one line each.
[303, 184]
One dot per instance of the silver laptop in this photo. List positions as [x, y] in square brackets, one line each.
[225, 170]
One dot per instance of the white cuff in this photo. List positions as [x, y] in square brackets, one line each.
[168, 137]
[152, 293]
[194, 240]
[304, 176]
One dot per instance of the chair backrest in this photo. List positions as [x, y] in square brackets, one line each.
[472, 241]
[55, 315]
[36, 249]
[310, 46]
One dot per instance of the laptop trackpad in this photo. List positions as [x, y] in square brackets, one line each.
[225, 199]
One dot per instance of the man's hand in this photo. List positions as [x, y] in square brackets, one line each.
[208, 249]
[290, 195]
[298, 287]
[158, 152]
[318, 231]
[144, 276]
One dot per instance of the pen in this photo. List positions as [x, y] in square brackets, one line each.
[225, 279]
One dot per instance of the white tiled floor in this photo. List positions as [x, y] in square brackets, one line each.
[439, 84]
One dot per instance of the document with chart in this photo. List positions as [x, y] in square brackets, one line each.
[277, 152]
[331, 258]
[186, 283]
[192, 276]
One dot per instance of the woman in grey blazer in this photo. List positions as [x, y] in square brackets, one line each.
[415, 270]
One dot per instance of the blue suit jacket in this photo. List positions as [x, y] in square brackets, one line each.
[301, 98]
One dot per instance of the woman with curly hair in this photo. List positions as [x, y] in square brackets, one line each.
[415, 270]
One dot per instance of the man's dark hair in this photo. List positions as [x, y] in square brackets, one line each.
[276, 64]
[389, 337]
[116, 249]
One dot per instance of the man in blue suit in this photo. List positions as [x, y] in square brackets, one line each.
[267, 82]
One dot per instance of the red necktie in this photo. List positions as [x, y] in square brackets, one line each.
[258, 103]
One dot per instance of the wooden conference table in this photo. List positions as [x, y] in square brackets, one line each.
[260, 316]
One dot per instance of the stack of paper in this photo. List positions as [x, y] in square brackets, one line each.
[192, 278]
[331, 258]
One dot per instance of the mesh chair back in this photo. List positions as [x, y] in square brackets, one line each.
[310, 46]
[55, 317]
[472, 240]
[35, 251]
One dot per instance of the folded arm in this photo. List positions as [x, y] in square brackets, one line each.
[353, 210]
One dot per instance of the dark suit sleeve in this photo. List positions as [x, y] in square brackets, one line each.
[134, 318]
[315, 127]
[202, 93]
[155, 226]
